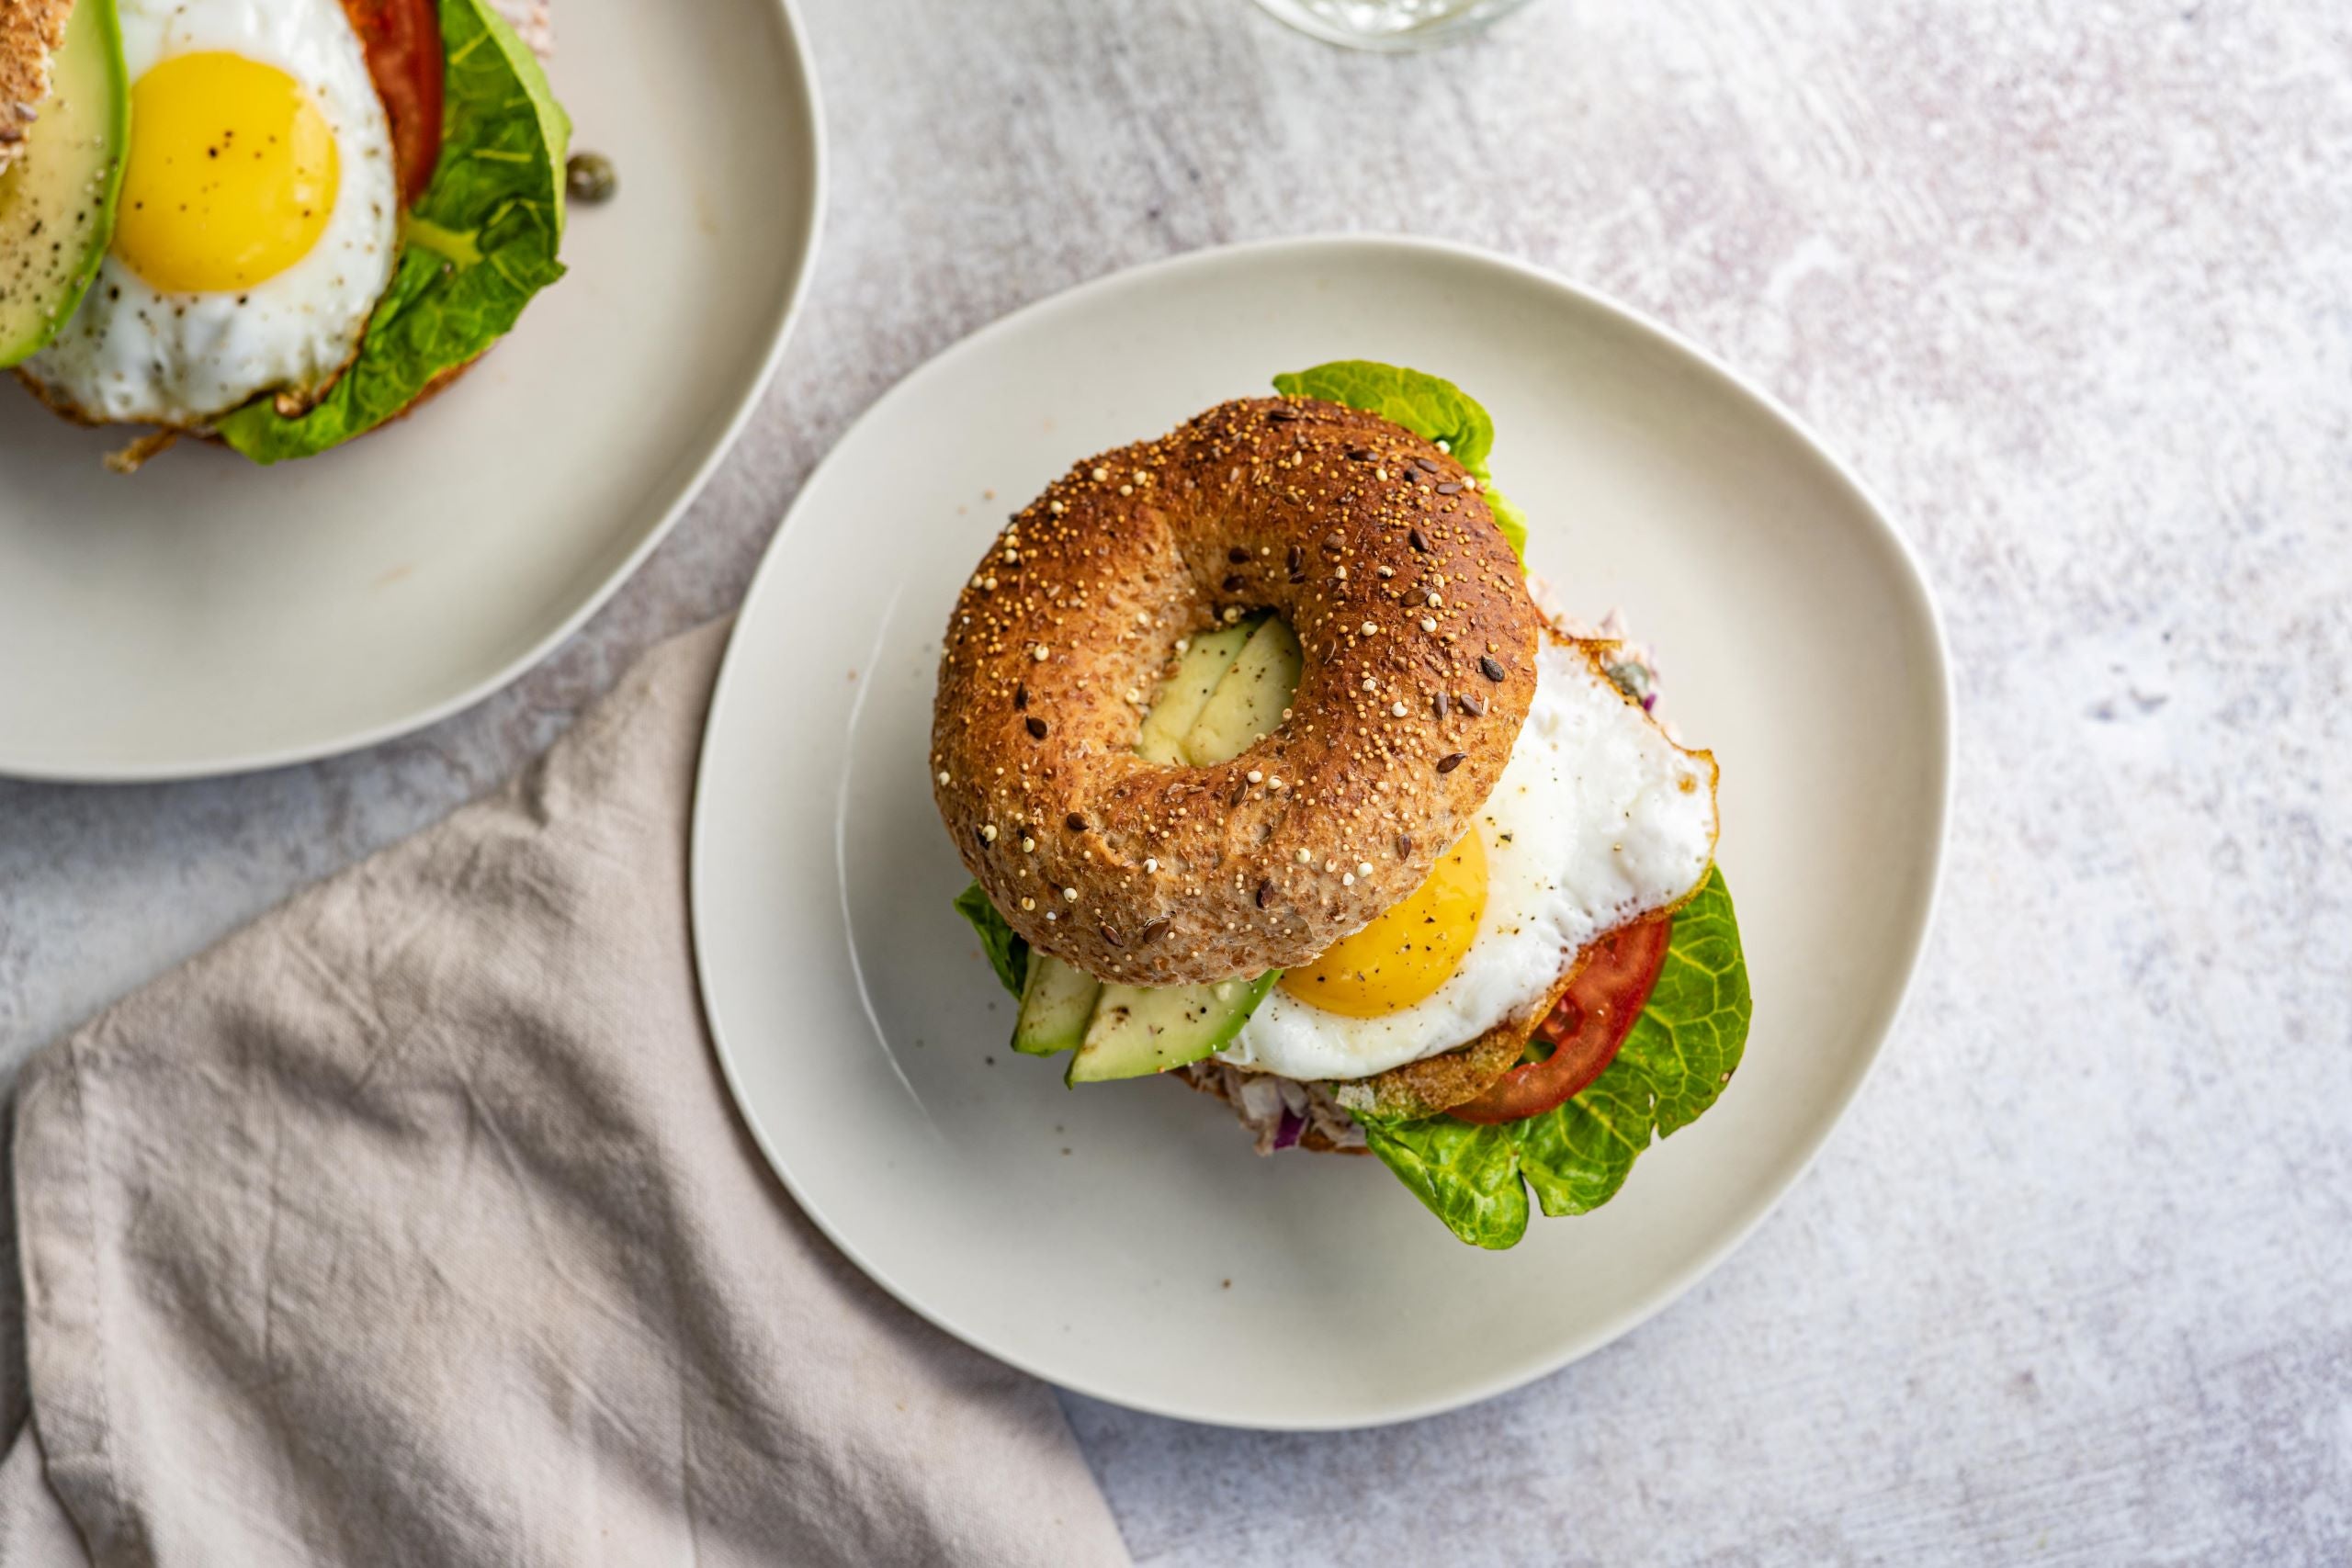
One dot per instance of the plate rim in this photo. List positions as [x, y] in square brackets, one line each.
[780, 334]
[1676, 1283]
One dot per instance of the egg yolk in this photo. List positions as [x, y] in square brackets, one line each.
[231, 175]
[1406, 953]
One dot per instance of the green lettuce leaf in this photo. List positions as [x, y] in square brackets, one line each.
[1680, 1052]
[1469, 1180]
[1508, 518]
[1008, 953]
[480, 242]
[1430, 406]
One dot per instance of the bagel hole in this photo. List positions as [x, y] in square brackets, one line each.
[1231, 686]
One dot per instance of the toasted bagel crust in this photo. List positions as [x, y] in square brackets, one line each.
[1436, 1084]
[31, 32]
[1383, 559]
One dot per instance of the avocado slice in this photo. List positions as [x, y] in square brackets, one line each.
[1055, 1001]
[1184, 694]
[57, 200]
[1249, 702]
[1230, 682]
[1139, 1030]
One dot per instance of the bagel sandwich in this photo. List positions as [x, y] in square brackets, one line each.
[271, 223]
[1274, 773]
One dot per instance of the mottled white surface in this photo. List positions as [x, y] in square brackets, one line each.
[2072, 285]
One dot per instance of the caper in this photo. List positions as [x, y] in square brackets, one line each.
[1632, 679]
[589, 177]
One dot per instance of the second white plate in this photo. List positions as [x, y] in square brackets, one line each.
[1122, 1240]
[205, 615]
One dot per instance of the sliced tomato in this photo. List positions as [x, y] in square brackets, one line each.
[1585, 1028]
[402, 41]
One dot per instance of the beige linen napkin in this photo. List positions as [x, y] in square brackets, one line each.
[414, 1224]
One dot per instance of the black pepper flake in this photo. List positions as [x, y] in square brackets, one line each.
[1418, 540]
[1438, 705]
[1074, 822]
[1037, 728]
[1488, 668]
[1019, 698]
[1111, 934]
[1237, 556]
[1233, 584]
[1449, 488]
[1452, 760]
[1472, 706]
[1265, 892]
[1425, 465]
[1156, 929]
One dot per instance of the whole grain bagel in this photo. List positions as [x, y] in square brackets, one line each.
[1419, 643]
[31, 32]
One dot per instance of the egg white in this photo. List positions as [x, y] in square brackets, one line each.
[1597, 820]
[132, 352]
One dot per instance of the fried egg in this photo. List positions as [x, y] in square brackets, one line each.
[258, 221]
[1597, 819]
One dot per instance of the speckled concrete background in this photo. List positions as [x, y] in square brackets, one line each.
[2071, 284]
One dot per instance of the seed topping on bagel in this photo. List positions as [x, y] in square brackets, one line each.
[1416, 640]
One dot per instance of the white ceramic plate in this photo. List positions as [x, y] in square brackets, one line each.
[205, 615]
[1122, 1240]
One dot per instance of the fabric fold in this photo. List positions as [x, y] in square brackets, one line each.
[413, 1224]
